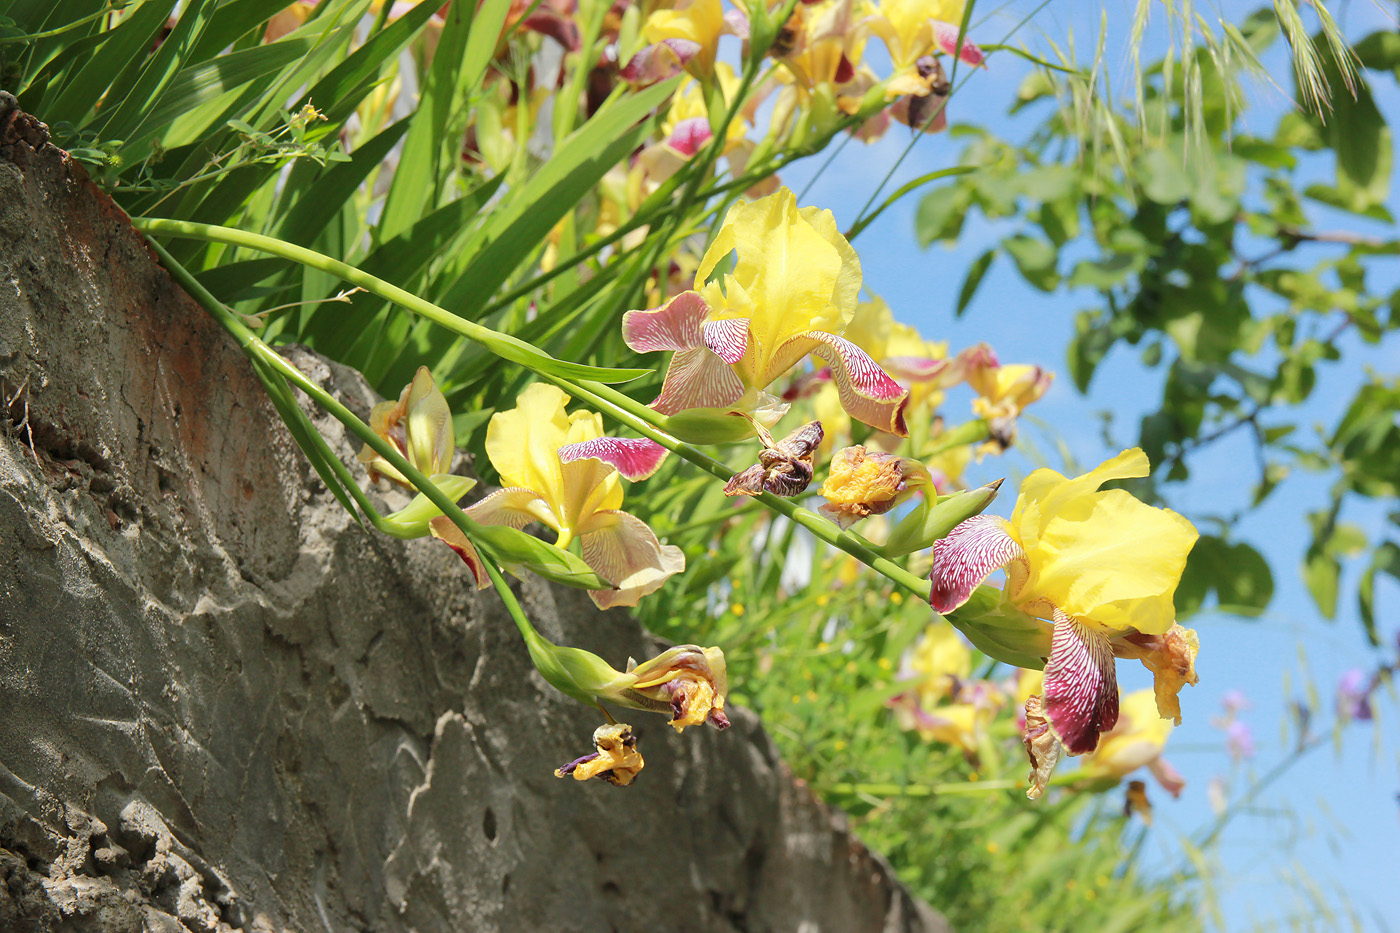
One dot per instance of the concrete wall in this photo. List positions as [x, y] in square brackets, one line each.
[225, 706]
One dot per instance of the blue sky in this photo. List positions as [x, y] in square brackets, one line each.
[1335, 814]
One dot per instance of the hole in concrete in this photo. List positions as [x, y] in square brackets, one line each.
[488, 824]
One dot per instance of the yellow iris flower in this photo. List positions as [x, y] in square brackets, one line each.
[906, 26]
[941, 660]
[701, 22]
[791, 293]
[1099, 569]
[944, 705]
[577, 498]
[1135, 742]
[419, 424]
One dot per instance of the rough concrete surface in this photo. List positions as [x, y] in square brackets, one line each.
[225, 706]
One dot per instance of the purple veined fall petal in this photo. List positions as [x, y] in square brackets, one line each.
[971, 360]
[673, 326]
[737, 21]
[636, 458]
[572, 766]
[623, 550]
[449, 534]
[552, 23]
[967, 556]
[946, 35]
[698, 379]
[690, 135]
[914, 368]
[660, 61]
[1081, 685]
[868, 394]
[727, 339]
[1170, 779]
[807, 384]
[513, 507]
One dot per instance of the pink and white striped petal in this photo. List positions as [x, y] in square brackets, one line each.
[914, 368]
[1081, 684]
[867, 392]
[1171, 780]
[636, 458]
[560, 28]
[688, 136]
[513, 507]
[698, 379]
[660, 61]
[445, 531]
[807, 383]
[969, 361]
[673, 326]
[967, 556]
[737, 22]
[946, 35]
[729, 339]
[623, 550]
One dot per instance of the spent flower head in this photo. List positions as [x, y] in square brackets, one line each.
[615, 758]
[865, 482]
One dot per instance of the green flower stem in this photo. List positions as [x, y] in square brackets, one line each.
[544, 655]
[503, 345]
[623, 409]
[627, 411]
[944, 790]
[538, 646]
[970, 432]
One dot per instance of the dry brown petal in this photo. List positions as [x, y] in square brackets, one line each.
[1042, 747]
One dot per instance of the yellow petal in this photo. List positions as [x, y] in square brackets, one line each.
[1118, 565]
[906, 26]
[1102, 557]
[907, 341]
[589, 486]
[429, 425]
[623, 550]
[702, 21]
[794, 273]
[1046, 492]
[941, 659]
[524, 443]
[871, 327]
[616, 759]
[1171, 657]
[1137, 739]
[957, 724]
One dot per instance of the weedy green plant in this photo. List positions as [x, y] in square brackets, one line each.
[529, 202]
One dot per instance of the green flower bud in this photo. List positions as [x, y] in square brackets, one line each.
[709, 426]
[1000, 630]
[412, 520]
[932, 521]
